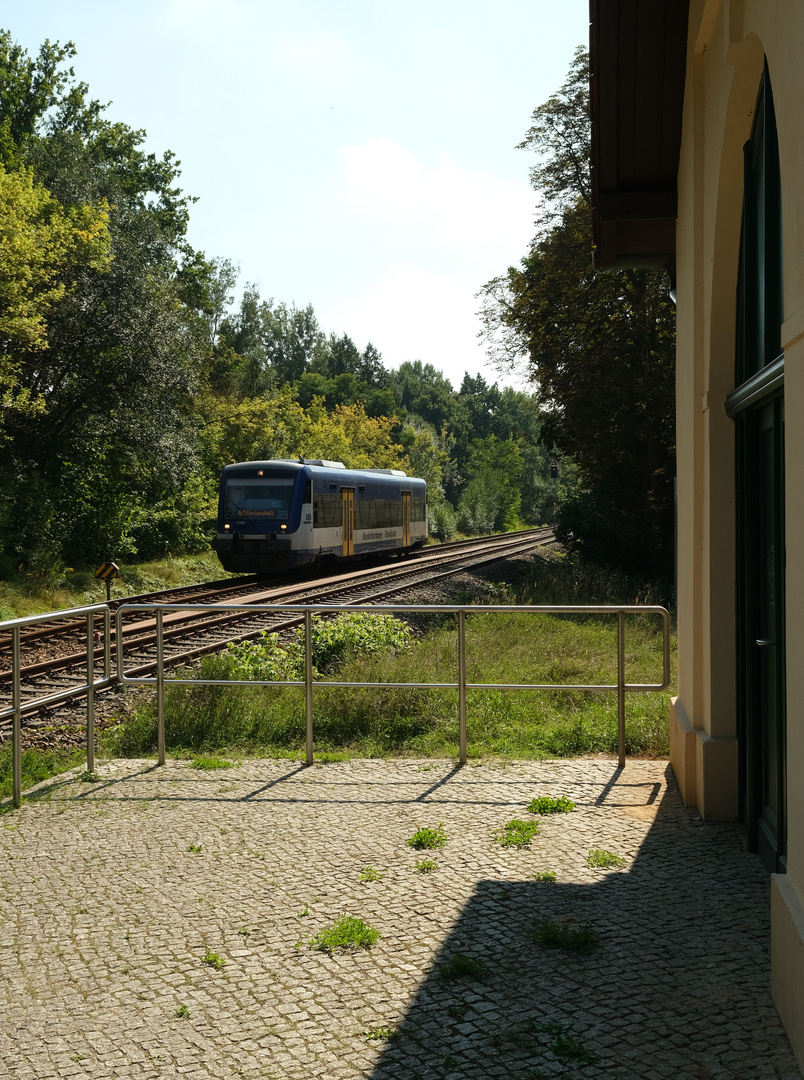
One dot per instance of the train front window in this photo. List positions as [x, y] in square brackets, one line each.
[261, 497]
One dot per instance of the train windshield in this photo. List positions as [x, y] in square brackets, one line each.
[261, 497]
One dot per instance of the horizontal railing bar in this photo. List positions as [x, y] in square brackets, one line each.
[54, 699]
[646, 687]
[51, 616]
[478, 609]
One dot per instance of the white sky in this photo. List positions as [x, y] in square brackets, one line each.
[353, 154]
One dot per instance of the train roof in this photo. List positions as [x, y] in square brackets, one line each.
[320, 464]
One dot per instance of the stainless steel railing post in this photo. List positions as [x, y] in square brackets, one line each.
[621, 689]
[308, 683]
[16, 737]
[160, 689]
[462, 687]
[90, 692]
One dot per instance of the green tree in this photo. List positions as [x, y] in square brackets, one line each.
[492, 498]
[600, 347]
[114, 438]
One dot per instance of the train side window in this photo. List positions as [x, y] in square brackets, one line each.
[308, 492]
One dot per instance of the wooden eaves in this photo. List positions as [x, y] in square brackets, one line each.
[637, 60]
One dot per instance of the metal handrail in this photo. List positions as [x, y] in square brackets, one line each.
[14, 626]
[462, 686]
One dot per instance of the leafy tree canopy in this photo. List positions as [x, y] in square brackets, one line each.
[600, 348]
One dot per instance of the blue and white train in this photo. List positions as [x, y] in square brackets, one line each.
[275, 516]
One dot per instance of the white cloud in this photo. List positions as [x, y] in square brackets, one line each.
[411, 313]
[434, 204]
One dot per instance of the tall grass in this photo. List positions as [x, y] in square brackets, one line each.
[500, 648]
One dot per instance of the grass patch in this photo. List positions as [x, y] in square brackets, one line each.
[426, 866]
[428, 838]
[552, 935]
[544, 875]
[463, 967]
[214, 961]
[346, 933]
[68, 587]
[269, 721]
[516, 648]
[546, 804]
[210, 763]
[516, 833]
[37, 765]
[599, 859]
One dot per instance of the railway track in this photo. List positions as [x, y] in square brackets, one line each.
[54, 655]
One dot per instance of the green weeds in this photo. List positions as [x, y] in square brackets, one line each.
[516, 833]
[553, 935]
[346, 933]
[463, 967]
[426, 866]
[544, 875]
[386, 1033]
[370, 873]
[545, 804]
[214, 961]
[210, 763]
[428, 838]
[599, 859]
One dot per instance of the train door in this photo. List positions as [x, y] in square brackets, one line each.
[348, 495]
[406, 519]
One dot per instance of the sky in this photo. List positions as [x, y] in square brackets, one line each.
[356, 155]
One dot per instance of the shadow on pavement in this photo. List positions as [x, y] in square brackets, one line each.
[678, 985]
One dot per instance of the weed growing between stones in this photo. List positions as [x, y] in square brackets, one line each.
[516, 833]
[214, 961]
[546, 804]
[552, 935]
[426, 866]
[565, 1046]
[463, 967]
[210, 763]
[428, 838]
[182, 1012]
[544, 875]
[370, 873]
[604, 860]
[195, 849]
[374, 1034]
[346, 933]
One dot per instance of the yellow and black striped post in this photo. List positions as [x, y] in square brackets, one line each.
[107, 571]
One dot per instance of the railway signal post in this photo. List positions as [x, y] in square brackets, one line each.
[107, 571]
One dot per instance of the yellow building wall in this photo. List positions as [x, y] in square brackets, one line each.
[728, 43]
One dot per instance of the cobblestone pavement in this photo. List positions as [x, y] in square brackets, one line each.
[113, 893]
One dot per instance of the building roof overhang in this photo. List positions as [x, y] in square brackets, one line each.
[637, 61]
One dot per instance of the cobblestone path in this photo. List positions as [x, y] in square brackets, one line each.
[113, 893]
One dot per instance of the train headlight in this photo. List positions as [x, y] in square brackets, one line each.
[283, 528]
[227, 527]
